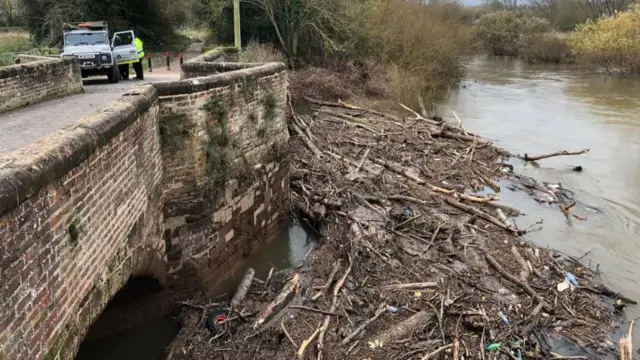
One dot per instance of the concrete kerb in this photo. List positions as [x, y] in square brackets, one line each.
[27, 170]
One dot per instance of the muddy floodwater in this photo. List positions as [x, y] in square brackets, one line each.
[541, 109]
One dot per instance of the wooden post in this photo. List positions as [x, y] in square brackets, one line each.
[236, 23]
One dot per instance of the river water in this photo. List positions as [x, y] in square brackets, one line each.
[538, 109]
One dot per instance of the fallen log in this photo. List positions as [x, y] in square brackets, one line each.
[314, 149]
[511, 211]
[526, 157]
[473, 211]
[524, 273]
[323, 289]
[243, 288]
[287, 293]
[411, 286]
[404, 328]
[515, 280]
[306, 342]
[334, 305]
[450, 135]
[626, 346]
[350, 337]
[436, 352]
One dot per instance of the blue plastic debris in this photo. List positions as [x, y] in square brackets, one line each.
[572, 279]
[408, 212]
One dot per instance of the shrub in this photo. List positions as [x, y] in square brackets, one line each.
[546, 47]
[401, 48]
[535, 25]
[612, 43]
[341, 80]
[530, 38]
[499, 33]
[14, 42]
[261, 53]
[423, 54]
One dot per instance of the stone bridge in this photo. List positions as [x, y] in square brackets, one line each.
[173, 179]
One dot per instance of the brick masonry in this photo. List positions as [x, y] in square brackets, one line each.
[176, 180]
[38, 79]
[225, 152]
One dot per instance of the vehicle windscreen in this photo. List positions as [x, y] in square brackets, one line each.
[89, 38]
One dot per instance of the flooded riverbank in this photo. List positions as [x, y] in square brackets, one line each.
[541, 109]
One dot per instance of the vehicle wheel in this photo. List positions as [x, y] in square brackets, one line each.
[84, 74]
[114, 76]
[124, 72]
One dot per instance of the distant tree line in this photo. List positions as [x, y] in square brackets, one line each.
[154, 20]
[564, 14]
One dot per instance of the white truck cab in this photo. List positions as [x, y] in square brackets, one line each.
[89, 42]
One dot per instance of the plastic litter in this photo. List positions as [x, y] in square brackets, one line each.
[563, 285]
[494, 347]
[503, 317]
[572, 279]
[216, 320]
[392, 309]
[408, 212]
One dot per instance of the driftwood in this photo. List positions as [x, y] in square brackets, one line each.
[307, 141]
[524, 273]
[626, 346]
[435, 352]
[411, 286]
[324, 288]
[306, 342]
[287, 293]
[407, 235]
[515, 280]
[350, 337]
[526, 157]
[510, 211]
[243, 288]
[448, 134]
[286, 333]
[473, 211]
[405, 328]
[334, 303]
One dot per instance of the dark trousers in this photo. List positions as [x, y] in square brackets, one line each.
[137, 66]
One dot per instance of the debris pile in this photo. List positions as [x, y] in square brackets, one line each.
[414, 263]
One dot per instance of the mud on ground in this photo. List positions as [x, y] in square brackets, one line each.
[412, 264]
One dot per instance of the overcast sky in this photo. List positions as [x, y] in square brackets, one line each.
[471, 2]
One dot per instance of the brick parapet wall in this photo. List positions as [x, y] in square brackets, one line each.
[205, 64]
[226, 160]
[80, 211]
[83, 209]
[42, 78]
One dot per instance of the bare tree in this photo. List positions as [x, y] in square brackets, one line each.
[318, 22]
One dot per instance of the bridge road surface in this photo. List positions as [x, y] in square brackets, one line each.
[23, 126]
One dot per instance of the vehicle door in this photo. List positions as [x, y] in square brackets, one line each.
[124, 50]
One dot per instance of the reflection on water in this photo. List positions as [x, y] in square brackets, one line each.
[540, 109]
[289, 245]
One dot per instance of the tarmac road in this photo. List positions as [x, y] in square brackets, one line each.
[22, 126]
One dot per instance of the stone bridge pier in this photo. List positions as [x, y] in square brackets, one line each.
[175, 181]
